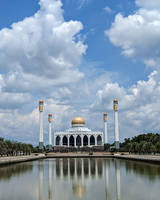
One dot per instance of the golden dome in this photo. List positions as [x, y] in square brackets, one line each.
[115, 100]
[105, 114]
[41, 101]
[78, 120]
[50, 115]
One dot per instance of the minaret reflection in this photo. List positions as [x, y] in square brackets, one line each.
[118, 188]
[79, 171]
[107, 179]
[50, 195]
[41, 180]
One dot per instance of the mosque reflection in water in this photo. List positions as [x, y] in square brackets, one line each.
[77, 171]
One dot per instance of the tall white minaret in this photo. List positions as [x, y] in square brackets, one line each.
[105, 129]
[116, 126]
[50, 130]
[41, 124]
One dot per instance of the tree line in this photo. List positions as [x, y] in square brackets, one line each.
[11, 148]
[141, 144]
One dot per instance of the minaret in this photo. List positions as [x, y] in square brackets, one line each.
[50, 130]
[41, 124]
[105, 129]
[116, 127]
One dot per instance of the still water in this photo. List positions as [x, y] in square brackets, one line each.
[86, 179]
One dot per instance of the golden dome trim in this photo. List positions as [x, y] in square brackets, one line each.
[78, 120]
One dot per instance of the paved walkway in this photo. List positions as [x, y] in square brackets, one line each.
[18, 159]
[145, 158]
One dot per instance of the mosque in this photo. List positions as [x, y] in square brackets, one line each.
[78, 135]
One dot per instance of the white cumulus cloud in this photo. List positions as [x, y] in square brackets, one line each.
[39, 50]
[39, 57]
[138, 34]
[150, 4]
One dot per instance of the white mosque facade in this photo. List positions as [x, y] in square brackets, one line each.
[78, 135]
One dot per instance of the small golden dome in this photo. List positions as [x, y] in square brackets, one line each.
[115, 100]
[41, 101]
[78, 120]
[105, 114]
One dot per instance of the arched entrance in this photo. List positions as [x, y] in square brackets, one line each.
[92, 140]
[99, 140]
[71, 141]
[85, 141]
[58, 140]
[78, 141]
[65, 141]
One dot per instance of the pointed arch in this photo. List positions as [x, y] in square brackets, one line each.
[58, 139]
[78, 141]
[71, 141]
[65, 141]
[99, 140]
[92, 140]
[85, 140]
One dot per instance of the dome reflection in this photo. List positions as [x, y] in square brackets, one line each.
[79, 172]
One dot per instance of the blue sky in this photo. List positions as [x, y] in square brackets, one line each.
[78, 56]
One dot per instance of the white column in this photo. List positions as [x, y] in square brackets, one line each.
[41, 124]
[95, 137]
[53, 135]
[89, 140]
[68, 139]
[50, 130]
[82, 140]
[50, 133]
[116, 126]
[61, 142]
[54, 140]
[74, 140]
[41, 127]
[105, 137]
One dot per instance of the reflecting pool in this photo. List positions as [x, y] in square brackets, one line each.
[80, 178]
